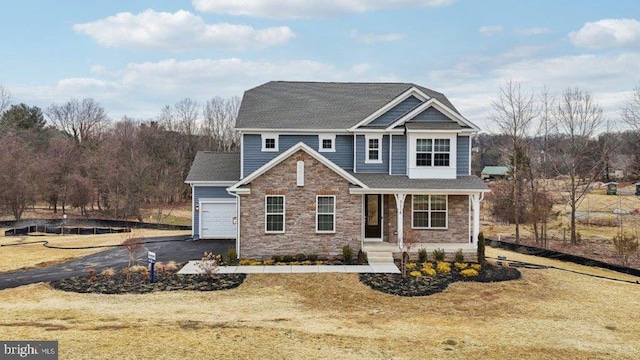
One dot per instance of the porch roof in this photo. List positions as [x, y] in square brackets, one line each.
[386, 183]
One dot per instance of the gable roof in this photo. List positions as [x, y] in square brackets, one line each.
[292, 150]
[319, 105]
[209, 166]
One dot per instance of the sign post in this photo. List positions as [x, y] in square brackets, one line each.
[152, 260]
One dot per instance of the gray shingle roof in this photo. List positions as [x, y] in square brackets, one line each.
[386, 181]
[435, 125]
[213, 166]
[316, 105]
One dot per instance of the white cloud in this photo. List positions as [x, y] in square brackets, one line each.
[371, 38]
[531, 31]
[293, 9]
[607, 33]
[490, 30]
[178, 31]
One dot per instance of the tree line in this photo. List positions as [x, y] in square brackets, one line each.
[554, 144]
[73, 155]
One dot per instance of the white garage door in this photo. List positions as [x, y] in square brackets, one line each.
[217, 220]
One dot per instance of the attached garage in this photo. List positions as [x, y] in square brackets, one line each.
[218, 219]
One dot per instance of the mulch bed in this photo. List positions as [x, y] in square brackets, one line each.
[395, 284]
[138, 283]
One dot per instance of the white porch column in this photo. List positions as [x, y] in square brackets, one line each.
[400, 218]
[475, 204]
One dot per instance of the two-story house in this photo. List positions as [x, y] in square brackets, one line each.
[323, 165]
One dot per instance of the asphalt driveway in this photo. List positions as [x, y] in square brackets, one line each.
[179, 249]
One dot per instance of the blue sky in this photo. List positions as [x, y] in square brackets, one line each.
[134, 57]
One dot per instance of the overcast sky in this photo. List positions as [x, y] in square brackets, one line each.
[134, 57]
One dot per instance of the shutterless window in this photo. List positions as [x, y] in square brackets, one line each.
[441, 148]
[327, 144]
[325, 213]
[269, 143]
[429, 211]
[423, 152]
[374, 149]
[274, 214]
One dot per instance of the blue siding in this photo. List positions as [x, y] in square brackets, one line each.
[206, 192]
[399, 155]
[395, 112]
[462, 156]
[360, 156]
[254, 157]
[430, 114]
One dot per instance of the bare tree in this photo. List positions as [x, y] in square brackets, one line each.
[219, 122]
[5, 99]
[81, 120]
[514, 112]
[578, 120]
[19, 180]
[631, 110]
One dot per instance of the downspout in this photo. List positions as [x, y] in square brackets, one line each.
[237, 222]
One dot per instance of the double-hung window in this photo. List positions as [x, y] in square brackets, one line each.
[326, 214]
[373, 149]
[433, 152]
[274, 214]
[429, 211]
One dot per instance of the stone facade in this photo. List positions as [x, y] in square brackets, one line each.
[300, 212]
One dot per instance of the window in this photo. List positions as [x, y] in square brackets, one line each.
[433, 152]
[274, 213]
[269, 142]
[325, 214]
[327, 143]
[374, 149]
[429, 211]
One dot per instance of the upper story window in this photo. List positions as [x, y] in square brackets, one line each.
[373, 149]
[269, 142]
[327, 143]
[433, 152]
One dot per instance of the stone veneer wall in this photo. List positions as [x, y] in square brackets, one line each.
[300, 212]
[458, 222]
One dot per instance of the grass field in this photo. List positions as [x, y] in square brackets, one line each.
[549, 314]
[36, 255]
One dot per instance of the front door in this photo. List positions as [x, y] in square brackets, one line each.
[373, 216]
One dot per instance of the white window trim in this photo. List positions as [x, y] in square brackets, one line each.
[334, 215]
[266, 136]
[366, 148]
[331, 137]
[446, 212]
[433, 152]
[284, 214]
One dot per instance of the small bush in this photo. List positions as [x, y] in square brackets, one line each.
[460, 265]
[411, 266]
[429, 271]
[459, 256]
[276, 258]
[209, 263]
[255, 263]
[415, 273]
[172, 265]
[231, 257]
[138, 269]
[300, 257]
[312, 257]
[626, 246]
[245, 262]
[108, 272]
[422, 255]
[481, 245]
[476, 267]
[269, 262]
[427, 265]
[280, 264]
[443, 268]
[438, 255]
[306, 262]
[294, 263]
[362, 257]
[287, 258]
[319, 262]
[469, 272]
[347, 254]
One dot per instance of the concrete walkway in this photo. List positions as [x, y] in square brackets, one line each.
[192, 268]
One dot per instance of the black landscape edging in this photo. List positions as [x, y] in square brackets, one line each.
[75, 226]
[552, 254]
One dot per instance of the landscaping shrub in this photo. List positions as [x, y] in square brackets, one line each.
[626, 246]
[428, 271]
[460, 265]
[427, 265]
[244, 262]
[422, 255]
[411, 266]
[347, 254]
[459, 256]
[476, 267]
[231, 257]
[276, 258]
[438, 255]
[269, 262]
[415, 273]
[469, 272]
[287, 258]
[443, 268]
[172, 265]
[300, 257]
[312, 257]
[481, 245]
[108, 272]
[362, 257]
[209, 263]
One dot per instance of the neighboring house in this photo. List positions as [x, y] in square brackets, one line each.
[324, 165]
[494, 173]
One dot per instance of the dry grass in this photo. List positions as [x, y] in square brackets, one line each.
[548, 314]
[36, 255]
